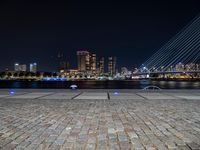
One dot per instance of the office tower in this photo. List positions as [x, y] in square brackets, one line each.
[33, 67]
[87, 62]
[179, 67]
[23, 67]
[112, 65]
[189, 67]
[101, 65]
[18, 67]
[83, 59]
[60, 60]
[62, 66]
[93, 63]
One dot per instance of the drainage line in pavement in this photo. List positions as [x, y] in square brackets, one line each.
[108, 95]
[141, 96]
[77, 95]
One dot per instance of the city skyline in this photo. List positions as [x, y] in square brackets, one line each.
[131, 31]
[86, 62]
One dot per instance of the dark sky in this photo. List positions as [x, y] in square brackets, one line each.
[31, 30]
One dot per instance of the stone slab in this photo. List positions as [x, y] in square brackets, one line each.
[151, 96]
[61, 96]
[93, 96]
[15, 92]
[182, 93]
[94, 93]
[122, 96]
[2, 96]
[30, 95]
[189, 97]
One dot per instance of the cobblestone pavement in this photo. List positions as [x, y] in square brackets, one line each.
[78, 124]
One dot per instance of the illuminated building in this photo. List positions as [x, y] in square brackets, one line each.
[83, 58]
[101, 65]
[63, 65]
[18, 67]
[22, 67]
[124, 71]
[179, 67]
[93, 63]
[112, 65]
[33, 67]
[190, 67]
[73, 72]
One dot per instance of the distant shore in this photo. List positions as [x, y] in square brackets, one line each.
[92, 80]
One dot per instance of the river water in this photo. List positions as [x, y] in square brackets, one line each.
[100, 84]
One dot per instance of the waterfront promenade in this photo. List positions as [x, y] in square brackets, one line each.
[99, 119]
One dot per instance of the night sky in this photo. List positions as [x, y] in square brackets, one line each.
[31, 30]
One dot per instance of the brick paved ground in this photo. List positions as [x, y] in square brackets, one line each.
[124, 121]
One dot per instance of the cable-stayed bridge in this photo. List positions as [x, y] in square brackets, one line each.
[180, 54]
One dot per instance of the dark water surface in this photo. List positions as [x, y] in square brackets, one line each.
[99, 84]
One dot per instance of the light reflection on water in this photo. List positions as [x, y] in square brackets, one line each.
[177, 84]
[101, 84]
[196, 84]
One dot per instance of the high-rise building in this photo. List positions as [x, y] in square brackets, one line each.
[101, 65]
[83, 58]
[87, 62]
[190, 67]
[23, 67]
[62, 65]
[93, 62]
[112, 65]
[18, 67]
[33, 67]
[179, 67]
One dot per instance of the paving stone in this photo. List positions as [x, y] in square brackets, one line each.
[153, 96]
[61, 96]
[190, 97]
[126, 96]
[136, 120]
[30, 95]
[183, 147]
[194, 146]
[59, 141]
[2, 96]
[92, 96]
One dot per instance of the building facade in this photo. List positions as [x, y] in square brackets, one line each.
[83, 60]
[93, 62]
[19, 67]
[33, 67]
[112, 61]
[101, 65]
